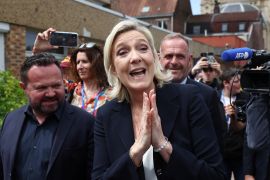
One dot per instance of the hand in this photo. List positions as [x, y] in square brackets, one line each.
[216, 66]
[158, 137]
[230, 110]
[42, 42]
[143, 139]
[249, 177]
[157, 133]
[202, 63]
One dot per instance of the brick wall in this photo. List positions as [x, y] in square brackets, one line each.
[15, 49]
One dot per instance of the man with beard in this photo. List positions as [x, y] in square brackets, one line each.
[48, 138]
[175, 56]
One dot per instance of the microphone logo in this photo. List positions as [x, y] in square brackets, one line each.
[242, 56]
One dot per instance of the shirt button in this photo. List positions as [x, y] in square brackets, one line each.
[34, 147]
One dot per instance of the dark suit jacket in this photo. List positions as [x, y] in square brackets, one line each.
[185, 122]
[72, 151]
[215, 107]
[256, 162]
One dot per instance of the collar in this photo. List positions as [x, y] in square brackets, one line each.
[184, 81]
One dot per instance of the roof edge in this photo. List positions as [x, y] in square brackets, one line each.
[121, 15]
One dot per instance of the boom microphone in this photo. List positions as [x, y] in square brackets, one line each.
[237, 54]
[257, 57]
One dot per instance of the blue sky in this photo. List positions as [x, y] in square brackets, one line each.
[195, 5]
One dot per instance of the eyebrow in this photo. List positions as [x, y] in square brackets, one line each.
[123, 43]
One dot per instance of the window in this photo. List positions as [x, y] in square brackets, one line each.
[145, 9]
[224, 27]
[162, 24]
[233, 8]
[2, 52]
[196, 29]
[242, 26]
[30, 39]
[4, 28]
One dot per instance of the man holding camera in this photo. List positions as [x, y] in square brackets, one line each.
[234, 138]
[207, 70]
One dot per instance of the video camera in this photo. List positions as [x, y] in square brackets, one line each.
[253, 79]
[256, 81]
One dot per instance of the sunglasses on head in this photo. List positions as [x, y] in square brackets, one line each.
[87, 45]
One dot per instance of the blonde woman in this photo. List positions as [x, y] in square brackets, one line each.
[151, 129]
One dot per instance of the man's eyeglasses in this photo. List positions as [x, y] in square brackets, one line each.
[87, 45]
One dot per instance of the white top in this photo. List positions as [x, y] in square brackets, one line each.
[226, 101]
[148, 165]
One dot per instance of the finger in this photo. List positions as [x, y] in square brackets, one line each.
[146, 104]
[51, 29]
[149, 121]
[151, 93]
[40, 36]
[154, 110]
[153, 102]
[48, 32]
[215, 67]
[204, 66]
[201, 63]
[203, 59]
[144, 137]
[55, 47]
[146, 109]
[46, 35]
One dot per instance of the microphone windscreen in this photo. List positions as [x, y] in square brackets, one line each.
[237, 54]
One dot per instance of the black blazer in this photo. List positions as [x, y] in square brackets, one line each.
[185, 122]
[215, 107]
[72, 151]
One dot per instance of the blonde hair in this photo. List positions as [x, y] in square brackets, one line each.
[119, 91]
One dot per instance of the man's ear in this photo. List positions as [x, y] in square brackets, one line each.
[190, 61]
[22, 85]
[191, 57]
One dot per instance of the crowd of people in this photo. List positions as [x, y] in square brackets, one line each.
[127, 111]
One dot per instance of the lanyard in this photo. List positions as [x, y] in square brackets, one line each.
[100, 93]
[83, 95]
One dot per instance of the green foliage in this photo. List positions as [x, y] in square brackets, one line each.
[11, 95]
